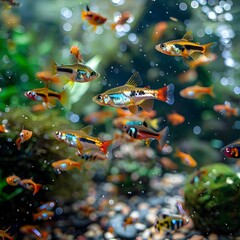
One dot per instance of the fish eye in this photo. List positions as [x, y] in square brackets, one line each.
[99, 97]
[21, 134]
[29, 93]
[93, 74]
[162, 45]
[228, 150]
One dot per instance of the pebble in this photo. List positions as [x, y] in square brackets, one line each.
[178, 236]
[197, 237]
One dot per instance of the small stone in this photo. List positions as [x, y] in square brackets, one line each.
[213, 236]
[140, 226]
[197, 237]
[178, 236]
[109, 235]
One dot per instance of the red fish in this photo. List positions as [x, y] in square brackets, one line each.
[3, 129]
[122, 19]
[24, 136]
[186, 159]
[66, 164]
[227, 110]
[13, 180]
[175, 118]
[196, 91]
[159, 30]
[30, 185]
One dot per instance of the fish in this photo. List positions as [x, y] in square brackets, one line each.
[43, 215]
[197, 176]
[196, 91]
[82, 140]
[98, 117]
[66, 164]
[48, 77]
[123, 18]
[75, 51]
[13, 180]
[184, 47]
[158, 30]
[186, 159]
[168, 164]
[39, 107]
[29, 184]
[34, 231]
[3, 129]
[12, 2]
[4, 235]
[232, 150]
[93, 18]
[23, 136]
[169, 223]
[142, 132]
[187, 77]
[78, 72]
[227, 110]
[94, 157]
[175, 118]
[129, 96]
[202, 60]
[125, 113]
[48, 96]
[47, 206]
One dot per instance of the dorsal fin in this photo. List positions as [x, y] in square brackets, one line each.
[188, 36]
[135, 80]
[88, 129]
[87, 7]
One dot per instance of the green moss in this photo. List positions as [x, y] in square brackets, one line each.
[212, 195]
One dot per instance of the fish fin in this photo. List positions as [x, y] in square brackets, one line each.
[105, 146]
[195, 55]
[207, 48]
[211, 93]
[135, 80]
[88, 8]
[147, 105]
[80, 148]
[69, 84]
[165, 94]
[145, 124]
[37, 187]
[133, 109]
[177, 152]
[113, 26]
[18, 143]
[83, 15]
[163, 134]
[185, 61]
[188, 36]
[154, 123]
[78, 165]
[148, 142]
[64, 97]
[88, 129]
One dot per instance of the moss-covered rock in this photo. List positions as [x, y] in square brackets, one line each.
[212, 195]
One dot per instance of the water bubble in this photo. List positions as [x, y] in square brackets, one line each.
[67, 27]
[194, 4]
[197, 130]
[183, 6]
[236, 90]
[66, 12]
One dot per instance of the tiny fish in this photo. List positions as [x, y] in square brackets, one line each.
[48, 96]
[29, 184]
[188, 76]
[158, 30]
[196, 91]
[227, 110]
[43, 215]
[34, 231]
[13, 180]
[23, 136]
[98, 117]
[184, 47]
[122, 19]
[202, 60]
[125, 113]
[3, 129]
[232, 150]
[131, 97]
[168, 164]
[82, 140]
[78, 72]
[47, 206]
[169, 223]
[93, 18]
[94, 157]
[4, 235]
[175, 118]
[66, 164]
[142, 132]
[186, 159]
[75, 51]
[48, 77]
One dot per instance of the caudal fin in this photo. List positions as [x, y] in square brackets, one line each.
[165, 94]
[211, 93]
[64, 98]
[163, 136]
[18, 143]
[37, 187]
[207, 47]
[105, 146]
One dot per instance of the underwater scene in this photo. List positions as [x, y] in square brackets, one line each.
[120, 119]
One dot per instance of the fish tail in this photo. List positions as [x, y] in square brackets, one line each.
[105, 146]
[207, 47]
[64, 97]
[211, 93]
[4, 129]
[154, 123]
[35, 216]
[165, 94]
[163, 134]
[176, 154]
[18, 143]
[78, 165]
[37, 187]
[45, 235]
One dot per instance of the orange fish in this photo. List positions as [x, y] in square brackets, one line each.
[184, 47]
[39, 108]
[175, 118]
[29, 184]
[159, 30]
[34, 231]
[93, 18]
[186, 159]
[124, 113]
[98, 117]
[24, 136]
[202, 60]
[196, 91]
[48, 77]
[66, 164]
[3, 129]
[122, 19]
[74, 50]
[13, 180]
[168, 164]
[5, 235]
[188, 76]
[227, 110]
[43, 215]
